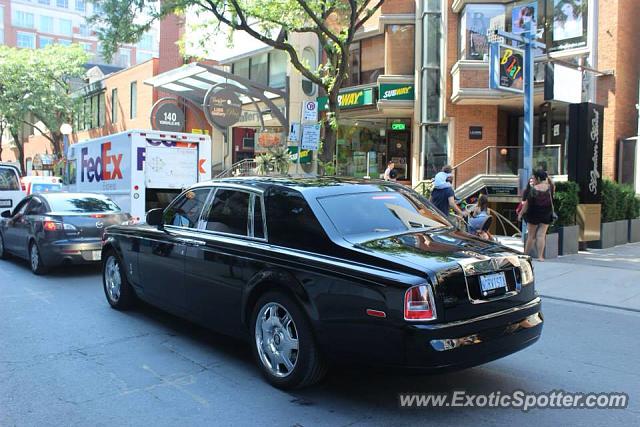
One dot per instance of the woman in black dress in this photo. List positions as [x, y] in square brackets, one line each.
[537, 210]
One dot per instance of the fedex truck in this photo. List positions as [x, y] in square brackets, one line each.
[139, 169]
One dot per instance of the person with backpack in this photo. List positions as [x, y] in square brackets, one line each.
[537, 210]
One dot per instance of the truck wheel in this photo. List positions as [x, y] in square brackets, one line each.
[35, 260]
[283, 343]
[120, 295]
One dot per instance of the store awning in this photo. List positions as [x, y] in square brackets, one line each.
[193, 81]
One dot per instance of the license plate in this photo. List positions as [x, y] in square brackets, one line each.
[6, 203]
[492, 282]
[96, 255]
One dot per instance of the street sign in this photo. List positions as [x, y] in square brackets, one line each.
[169, 117]
[294, 132]
[311, 137]
[309, 111]
[506, 68]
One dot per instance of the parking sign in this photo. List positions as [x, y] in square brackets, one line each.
[309, 111]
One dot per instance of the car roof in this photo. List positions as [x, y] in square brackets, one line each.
[309, 186]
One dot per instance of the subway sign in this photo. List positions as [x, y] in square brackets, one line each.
[397, 91]
[349, 99]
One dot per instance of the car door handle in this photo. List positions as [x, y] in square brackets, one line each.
[192, 242]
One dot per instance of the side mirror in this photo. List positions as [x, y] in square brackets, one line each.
[154, 217]
[6, 214]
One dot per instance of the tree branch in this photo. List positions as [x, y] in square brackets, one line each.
[33, 125]
[369, 13]
[320, 23]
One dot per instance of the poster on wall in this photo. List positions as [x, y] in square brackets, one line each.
[569, 19]
[506, 68]
[524, 18]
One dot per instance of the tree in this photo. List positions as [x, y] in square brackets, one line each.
[36, 90]
[334, 22]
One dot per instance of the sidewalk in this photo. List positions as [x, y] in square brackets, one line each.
[606, 277]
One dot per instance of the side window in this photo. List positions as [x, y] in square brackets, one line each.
[258, 218]
[229, 212]
[21, 207]
[185, 210]
[35, 207]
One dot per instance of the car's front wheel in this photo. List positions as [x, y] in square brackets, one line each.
[35, 260]
[283, 343]
[120, 295]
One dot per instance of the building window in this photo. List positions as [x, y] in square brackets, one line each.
[309, 58]
[92, 114]
[372, 59]
[399, 49]
[62, 4]
[84, 31]
[260, 69]
[146, 42]
[80, 6]
[278, 61]
[430, 70]
[1, 27]
[64, 42]
[26, 40]
[45, 41]
[123, 58]
[434, 149]
[46, 24]
[114, 106]
[143, 56]
[475, 21]
[87, 47]
[133, 100]
[354, 65]
[45, 2]
[241, 68]
[22, 19]
[65, 27]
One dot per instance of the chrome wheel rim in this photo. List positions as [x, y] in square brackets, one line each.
[35, 258]
[113, 279]
[277, 340]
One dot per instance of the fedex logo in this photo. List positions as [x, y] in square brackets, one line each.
[105, 167]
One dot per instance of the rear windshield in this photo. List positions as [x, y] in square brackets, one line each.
[64, 202]
[9, 180]
[379, 212]
[44, 188]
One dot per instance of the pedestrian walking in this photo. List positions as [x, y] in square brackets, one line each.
[390, 174]
[537, 211]
[443, 195]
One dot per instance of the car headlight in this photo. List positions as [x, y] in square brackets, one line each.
[526, 271]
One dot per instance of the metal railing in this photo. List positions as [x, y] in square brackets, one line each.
[506, 160]
[244, 167]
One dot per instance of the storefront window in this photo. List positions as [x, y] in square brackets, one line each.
[400, 49]
[365, 146]
[475, 20]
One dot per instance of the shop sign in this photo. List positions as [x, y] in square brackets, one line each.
[584, 151]
[502, 190]
[168, 118]
[398, 126]
[267, 140]
[475, 132]
[506, 68]
[397, 91]
[305, 155]
[311, 137]
[349, 99]
[223, 108]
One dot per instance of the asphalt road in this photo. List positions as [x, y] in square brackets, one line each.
[66, 358]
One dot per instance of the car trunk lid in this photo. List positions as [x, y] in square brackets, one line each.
[87, 225]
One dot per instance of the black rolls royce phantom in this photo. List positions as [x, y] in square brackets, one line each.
[320, 271]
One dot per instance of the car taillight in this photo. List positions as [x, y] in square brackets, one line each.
[97, 215]
[419, 303]
[52, 225]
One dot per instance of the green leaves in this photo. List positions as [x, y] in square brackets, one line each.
[565, 202]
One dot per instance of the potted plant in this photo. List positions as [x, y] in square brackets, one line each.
[632, 214]
[607, 222]
[280, 160]
[565, 201]
[264, 163]
[622, 223]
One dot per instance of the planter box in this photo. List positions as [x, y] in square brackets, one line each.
[550, 248]
[622, 232]
[568, 239]
[634, 230]
[607, 236]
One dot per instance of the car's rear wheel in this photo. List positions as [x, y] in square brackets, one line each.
[283, 343]
[120, 295]
[3, 251]
[35, 260]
